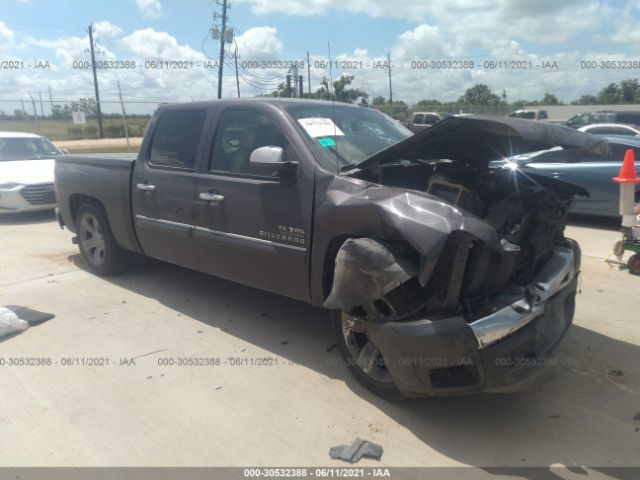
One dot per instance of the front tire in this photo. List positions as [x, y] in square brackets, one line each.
[364, 360]
[97, 245]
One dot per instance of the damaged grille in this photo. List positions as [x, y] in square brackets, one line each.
[39, 194]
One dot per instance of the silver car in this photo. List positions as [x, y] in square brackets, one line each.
[26, 172]
[612, 129]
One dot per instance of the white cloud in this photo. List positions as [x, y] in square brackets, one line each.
[149, 8]
[106, 31]
[425, 41]
[456, 29]
[260, 43]
[6, 37]
[150, 43]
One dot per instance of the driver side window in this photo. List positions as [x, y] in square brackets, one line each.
[240, 132]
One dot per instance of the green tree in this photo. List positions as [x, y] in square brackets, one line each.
[86, 105]
[521, 103]
[342, 91]
[549, 99]
[628, 90]
[609, 94]
[427, 104]
[61, 112]
[585, 100]
[323, 93]
[480, 94]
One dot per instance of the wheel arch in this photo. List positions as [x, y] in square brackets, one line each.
[124, 237]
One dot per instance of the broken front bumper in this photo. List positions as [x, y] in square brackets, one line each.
[506, 350]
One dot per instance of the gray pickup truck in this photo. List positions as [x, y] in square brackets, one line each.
[445, 268]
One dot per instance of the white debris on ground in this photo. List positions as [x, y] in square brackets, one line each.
[10, 323]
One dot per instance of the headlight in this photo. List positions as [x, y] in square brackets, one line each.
[8, 185]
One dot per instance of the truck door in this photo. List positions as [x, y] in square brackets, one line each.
[254, 229]
[163, 186]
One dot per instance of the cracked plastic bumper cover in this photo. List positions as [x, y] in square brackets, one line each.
[507, 350]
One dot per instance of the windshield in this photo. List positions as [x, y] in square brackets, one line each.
[27, 148]
[341, 137]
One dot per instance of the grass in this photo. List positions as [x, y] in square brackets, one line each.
[103, 150]
[59, 129]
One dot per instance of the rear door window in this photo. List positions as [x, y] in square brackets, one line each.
[176, 139]
[604, 131]
[622, 131]
[431, 119]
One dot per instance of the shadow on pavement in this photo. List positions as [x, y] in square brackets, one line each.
[602, 223]
[583, 416]
[27, 218]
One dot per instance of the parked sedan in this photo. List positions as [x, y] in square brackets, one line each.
[612, 129]
[26, 172]
[593, 173]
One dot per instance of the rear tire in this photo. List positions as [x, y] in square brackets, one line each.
[97, 245]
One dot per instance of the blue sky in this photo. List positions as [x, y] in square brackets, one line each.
[566, 32]
[188, 21]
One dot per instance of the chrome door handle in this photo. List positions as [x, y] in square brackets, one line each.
[145, 187]
[556, 174]
[214, 198]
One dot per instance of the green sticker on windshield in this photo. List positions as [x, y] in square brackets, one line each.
[326, 142]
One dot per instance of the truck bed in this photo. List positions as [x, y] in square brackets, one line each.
[107, 179]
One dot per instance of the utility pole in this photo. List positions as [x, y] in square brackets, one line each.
[300, 87]
[41, 109]
[24, 113]
[124, 116]
[293, 71]
[390, 90]
[309, 73]
[235, 57]
[50, 100]
[95, 81]
[289, 85]
[222, 37]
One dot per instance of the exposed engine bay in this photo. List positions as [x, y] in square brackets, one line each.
[528, 214]
[460, 262]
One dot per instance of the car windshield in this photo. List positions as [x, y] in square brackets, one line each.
[26, 148]
[341, 137]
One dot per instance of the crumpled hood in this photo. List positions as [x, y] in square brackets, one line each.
[482, 139]
[27, 172]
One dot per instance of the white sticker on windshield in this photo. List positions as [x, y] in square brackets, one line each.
[320, 127]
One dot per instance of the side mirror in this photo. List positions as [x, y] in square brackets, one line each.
[270, 161]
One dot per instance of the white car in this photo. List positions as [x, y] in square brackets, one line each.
[26, 172]
[611, 129]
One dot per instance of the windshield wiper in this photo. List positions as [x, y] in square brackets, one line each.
[350, 166]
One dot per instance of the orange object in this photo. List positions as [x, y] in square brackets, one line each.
[628, 170]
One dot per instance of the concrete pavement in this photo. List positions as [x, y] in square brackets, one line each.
[281, 397]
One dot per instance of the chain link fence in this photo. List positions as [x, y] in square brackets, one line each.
[55, 120]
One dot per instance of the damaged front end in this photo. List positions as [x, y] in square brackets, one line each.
[471, 283]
